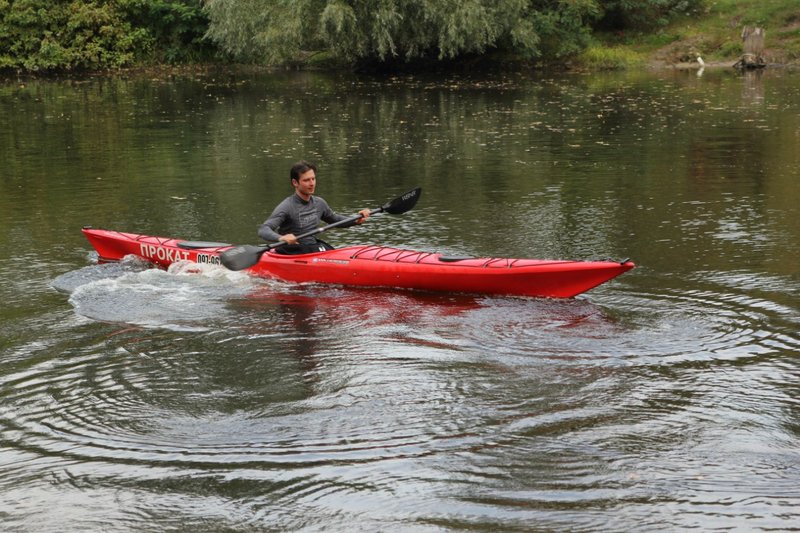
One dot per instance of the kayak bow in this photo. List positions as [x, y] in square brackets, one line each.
[379, 266]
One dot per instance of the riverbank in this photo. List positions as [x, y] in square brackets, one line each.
[710, 39]
[714, 36]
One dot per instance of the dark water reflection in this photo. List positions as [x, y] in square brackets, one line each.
[133, 398]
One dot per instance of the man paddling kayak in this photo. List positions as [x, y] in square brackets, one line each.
[301, 213]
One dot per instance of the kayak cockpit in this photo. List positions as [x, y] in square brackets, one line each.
[200, 245]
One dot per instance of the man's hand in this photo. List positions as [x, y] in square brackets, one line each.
[289, 238]
[364, 216]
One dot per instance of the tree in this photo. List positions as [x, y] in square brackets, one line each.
[277, 31]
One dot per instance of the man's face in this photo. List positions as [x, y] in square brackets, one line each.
[306, 183]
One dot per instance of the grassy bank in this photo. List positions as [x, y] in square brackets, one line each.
[714, 34]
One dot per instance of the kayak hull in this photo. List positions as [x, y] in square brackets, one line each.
[379, 266]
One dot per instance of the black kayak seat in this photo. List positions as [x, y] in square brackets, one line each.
[451, 259]
[197, 245]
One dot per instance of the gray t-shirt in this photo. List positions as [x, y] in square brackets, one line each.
[295, 215]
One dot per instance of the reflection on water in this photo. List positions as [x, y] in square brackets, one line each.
[135, 398]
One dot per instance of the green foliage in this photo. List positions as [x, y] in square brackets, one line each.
[609, 58]
[40, 35]
[97, 34]
[175, 28]
[565, 30]
[386, 31]
[644, 14]
[730, 49]
[277, 31]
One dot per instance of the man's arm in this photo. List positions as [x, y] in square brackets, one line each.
[267, 230]
[330, 217]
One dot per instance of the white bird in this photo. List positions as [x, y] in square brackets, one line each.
[700, 60]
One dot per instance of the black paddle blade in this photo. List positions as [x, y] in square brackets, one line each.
[403, 203]
[241, 257]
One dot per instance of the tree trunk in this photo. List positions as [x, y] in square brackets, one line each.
[753, 46]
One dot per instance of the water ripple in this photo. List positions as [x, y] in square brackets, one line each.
[317, 397]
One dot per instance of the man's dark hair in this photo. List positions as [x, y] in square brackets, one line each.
[301, 167]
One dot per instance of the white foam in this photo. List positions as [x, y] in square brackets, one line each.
[188, 296]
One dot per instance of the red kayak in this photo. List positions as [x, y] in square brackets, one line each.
[379, 266]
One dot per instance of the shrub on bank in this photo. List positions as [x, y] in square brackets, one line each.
[43, 35]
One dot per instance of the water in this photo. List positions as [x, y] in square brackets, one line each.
[133, 398]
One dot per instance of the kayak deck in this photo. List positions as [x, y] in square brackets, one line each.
[380, 266]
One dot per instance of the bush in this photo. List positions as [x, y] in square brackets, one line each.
[42, 35]
[175, 28]
[38, 35]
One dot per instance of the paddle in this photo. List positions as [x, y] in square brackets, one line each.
[247, 255]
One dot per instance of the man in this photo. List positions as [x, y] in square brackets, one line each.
[301, 213]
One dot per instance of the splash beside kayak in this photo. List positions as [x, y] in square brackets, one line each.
[379, 266]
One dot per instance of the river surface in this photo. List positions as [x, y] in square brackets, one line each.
[199, 399]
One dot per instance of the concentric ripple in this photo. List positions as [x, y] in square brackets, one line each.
[244, 398]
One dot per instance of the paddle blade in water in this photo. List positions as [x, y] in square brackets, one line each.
[241, 257]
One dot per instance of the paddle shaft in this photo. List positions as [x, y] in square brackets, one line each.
[241, 257]
[317, 231]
